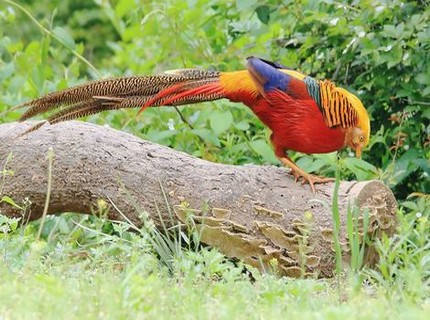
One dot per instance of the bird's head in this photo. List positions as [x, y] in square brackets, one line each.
[357, 137]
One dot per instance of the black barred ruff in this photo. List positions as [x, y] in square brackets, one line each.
[335, 106]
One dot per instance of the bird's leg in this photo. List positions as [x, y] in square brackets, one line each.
[307, 177]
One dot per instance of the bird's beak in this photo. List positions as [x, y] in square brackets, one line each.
[358, 151]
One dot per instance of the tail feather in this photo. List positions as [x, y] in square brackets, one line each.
[81, 112]
[77, 110]
[188, 92]
[74, 112]
[193, 74]
[207, 92]
[109, 87]
[176, 87]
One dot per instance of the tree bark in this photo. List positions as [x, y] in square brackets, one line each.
[254, 213]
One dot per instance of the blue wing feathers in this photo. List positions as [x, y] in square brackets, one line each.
[273, 78]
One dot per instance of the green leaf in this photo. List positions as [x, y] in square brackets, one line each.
[426, 112]
[245, 4]
[410, 205]
[7, 70]
[242, 125]
[208, 136]
[424, 164]
[160, 136]
[390, 31]
[305, 163]
[405, 165]
[124, 6]
[363, 170]
[422, 78]
[264, 150]
[263, 13]
[131, 33]
[317, 165]
[8, 200]
[220, 121]
[426, 92]
[64, 37]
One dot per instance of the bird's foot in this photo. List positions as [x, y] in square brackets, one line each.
[299, 173]
[310, 178]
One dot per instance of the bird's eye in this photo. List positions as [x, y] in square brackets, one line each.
[361, 138]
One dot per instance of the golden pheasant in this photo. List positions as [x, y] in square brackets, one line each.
[304, 114]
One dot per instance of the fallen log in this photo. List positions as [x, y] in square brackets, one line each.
[254, 213]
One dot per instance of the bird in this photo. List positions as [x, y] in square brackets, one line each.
[304, 114]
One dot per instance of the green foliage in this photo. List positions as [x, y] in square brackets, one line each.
[404, 266]
[377, 49]
[109, 269]
[80, 41]
[357, 238]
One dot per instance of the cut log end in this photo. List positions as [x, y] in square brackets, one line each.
[298, 245]
[254, 213]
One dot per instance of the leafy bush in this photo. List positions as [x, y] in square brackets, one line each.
[377, 49]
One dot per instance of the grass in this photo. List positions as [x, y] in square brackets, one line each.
[96, 275]
[75, 267]
[76, 293]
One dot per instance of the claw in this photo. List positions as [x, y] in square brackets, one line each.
[312, 179]
[306, 177]
[295, 174]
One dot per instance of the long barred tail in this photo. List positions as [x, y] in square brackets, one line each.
[177, 87]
